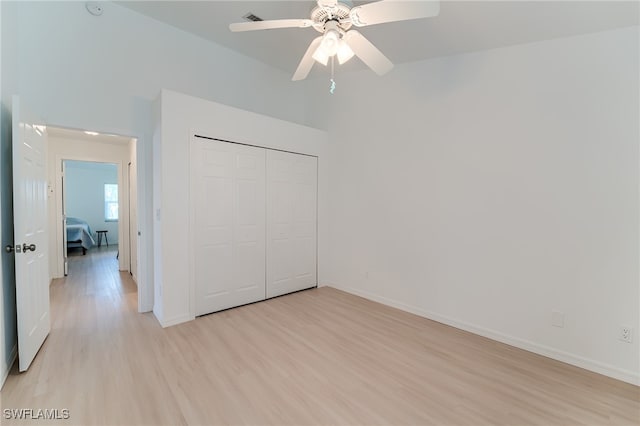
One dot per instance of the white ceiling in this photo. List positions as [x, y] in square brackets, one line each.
[462, 26]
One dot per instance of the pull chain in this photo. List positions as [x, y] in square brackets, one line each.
[332, 87]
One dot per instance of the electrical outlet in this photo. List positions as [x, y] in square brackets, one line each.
[625, 333]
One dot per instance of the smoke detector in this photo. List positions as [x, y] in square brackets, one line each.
[94, 8]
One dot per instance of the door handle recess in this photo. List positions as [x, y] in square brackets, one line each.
[26, 248]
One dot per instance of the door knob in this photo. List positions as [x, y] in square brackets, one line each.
[9, 248]
[26, 248]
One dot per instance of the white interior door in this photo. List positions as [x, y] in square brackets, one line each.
[228, 193]
[30, 230]
[291, 222]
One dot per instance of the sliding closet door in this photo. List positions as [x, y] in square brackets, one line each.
[291, 222]
[228, 183]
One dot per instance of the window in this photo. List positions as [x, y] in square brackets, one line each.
[110, 202]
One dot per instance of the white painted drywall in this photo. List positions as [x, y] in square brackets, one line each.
[487, 190]
[84, 185]
[87, 75]
[182, 115]
[83, 148]
[8, 83]
[156, 210]
[3, 362]
[103, 73]
[133, 210]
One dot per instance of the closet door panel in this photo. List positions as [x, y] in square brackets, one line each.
[291, 222]
[228, 183]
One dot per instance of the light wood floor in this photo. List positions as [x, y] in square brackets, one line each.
[315, 357]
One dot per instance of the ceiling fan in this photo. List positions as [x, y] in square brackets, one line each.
[334, 19]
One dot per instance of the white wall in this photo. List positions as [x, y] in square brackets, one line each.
[8, 82]
[84, 198]
[182, 115]
[103, 73]
[82, 148]
[3, 362]
[158, 278]
[499, 147]
[487, 190]
[133, 209]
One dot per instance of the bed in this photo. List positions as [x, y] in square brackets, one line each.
[79, 234]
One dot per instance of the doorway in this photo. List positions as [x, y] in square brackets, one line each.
[90, 206]
[90, 185]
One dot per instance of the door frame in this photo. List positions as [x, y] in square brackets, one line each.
[193, 136]
[144, 185]
[123, 208]
[129, 191]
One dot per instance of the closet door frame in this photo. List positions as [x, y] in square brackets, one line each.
[191, 273]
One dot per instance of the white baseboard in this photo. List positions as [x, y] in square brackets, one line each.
[576, 360]
[6, 368]
[175, 320]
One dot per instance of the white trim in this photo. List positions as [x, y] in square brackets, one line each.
[191, 275]
[203, 133]
[576, 360]
[145, 225]
[145, 245]
[123, 207]
[175, 320]
[7, 368]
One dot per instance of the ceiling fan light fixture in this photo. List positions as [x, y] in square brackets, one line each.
[330, 42]
[321, 56]
[329, 46]
[344, 52]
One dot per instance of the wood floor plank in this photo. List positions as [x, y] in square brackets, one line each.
[316, 357]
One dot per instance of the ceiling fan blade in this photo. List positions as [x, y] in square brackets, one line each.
[269, 25]
[327, 3]
[307, 60]
[393, 10]
[367, 52]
